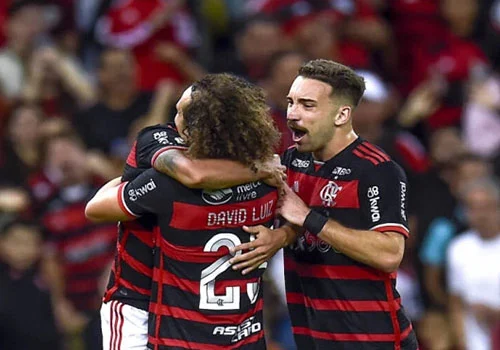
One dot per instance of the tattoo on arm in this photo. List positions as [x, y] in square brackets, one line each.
[167, 162]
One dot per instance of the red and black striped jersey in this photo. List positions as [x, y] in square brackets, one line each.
[130, 279]
[333, 300]
[198, 301]
[85, 249]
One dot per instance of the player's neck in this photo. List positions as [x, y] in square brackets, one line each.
[336, 145]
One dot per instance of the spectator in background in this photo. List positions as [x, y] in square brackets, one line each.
[79, 250]
[26, 315]
[23, 25]
[105, 126]
[281, 71]
[256, 41]
[57, 83]
[142, 25]
[474, 271]
[20, 154]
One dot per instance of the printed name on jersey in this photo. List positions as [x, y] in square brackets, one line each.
[299, 163]
[403, 200]
[241, 216]
[135, 193]
[244, 330]
[340, 171]
[329, 192]
[247, 192]
[217, 197]
[373, 198]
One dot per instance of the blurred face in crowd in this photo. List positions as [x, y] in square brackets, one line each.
[69, 159]
[446, 145]
[316, 38]
[23, 27]
[282, 75]
[20, 247]
[259, 42]
[460, 15]
[311, 115]
[24, 126]
[483, 211]
[117, 70]
[179, 117]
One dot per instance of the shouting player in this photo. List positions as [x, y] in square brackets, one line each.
[196, 301]
[350, 199]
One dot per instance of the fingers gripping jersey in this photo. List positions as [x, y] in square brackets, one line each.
[130, 280]
[335, 301]
[198, 301]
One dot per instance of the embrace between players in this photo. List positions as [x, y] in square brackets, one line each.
[196, 204]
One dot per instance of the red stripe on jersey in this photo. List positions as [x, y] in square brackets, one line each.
[178, 343]
[136, 264]
[363, 156]
[197, 316]
[394, 316]
[225, 215]
[393, 228]
[343, 194]
[194, 286]
[335, 272]
[370, 153]
[376, 150]
[134, 288]
[131, 160]
[191, 254]
[162, 150]
[340, 305]
[136, 229]
[359, 337]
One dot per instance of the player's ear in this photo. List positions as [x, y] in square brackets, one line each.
[343, 115]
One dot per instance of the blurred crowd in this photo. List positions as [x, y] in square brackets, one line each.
[79, 78]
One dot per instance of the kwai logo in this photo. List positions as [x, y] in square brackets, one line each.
[329, 193]
[135, 193]
[217, 197]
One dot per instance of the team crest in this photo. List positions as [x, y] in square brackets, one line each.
[329, 193]
[217, 197]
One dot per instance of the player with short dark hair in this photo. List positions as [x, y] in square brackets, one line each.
[223, 114]
[346, 213]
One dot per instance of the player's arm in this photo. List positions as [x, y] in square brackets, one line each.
[381, 197]
[124, 201]
[212, 173]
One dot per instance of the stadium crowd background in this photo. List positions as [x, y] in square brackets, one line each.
[78, 79]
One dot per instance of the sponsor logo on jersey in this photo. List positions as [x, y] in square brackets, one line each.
[161, 137]
[136, 193]
[179, 140]
[247, 192]
[340, 171]
[373, 198]
[244, 330]
[403, 200]
[217, 197]
[329, 192]
[299, 163]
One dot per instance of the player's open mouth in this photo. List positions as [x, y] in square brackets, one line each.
[298, 134]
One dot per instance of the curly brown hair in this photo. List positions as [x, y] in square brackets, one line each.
[228, 118]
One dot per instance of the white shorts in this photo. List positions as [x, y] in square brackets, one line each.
[124, 327]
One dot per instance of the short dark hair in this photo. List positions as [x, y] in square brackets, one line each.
[344, 81]
[228, 118]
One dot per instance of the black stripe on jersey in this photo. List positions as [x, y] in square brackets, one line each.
[316, 288]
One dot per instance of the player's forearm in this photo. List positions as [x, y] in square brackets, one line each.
[104, 206]
[203, 173]
[383, 251]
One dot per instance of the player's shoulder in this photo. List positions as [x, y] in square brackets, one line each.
[161, 133]
[371, 158]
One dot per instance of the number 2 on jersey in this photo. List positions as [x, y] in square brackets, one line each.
[231, 299]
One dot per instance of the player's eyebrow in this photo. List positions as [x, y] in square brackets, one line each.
[307, 100]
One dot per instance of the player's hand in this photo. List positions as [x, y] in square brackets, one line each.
[267, 242]
[273, 172]
[292, 208]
